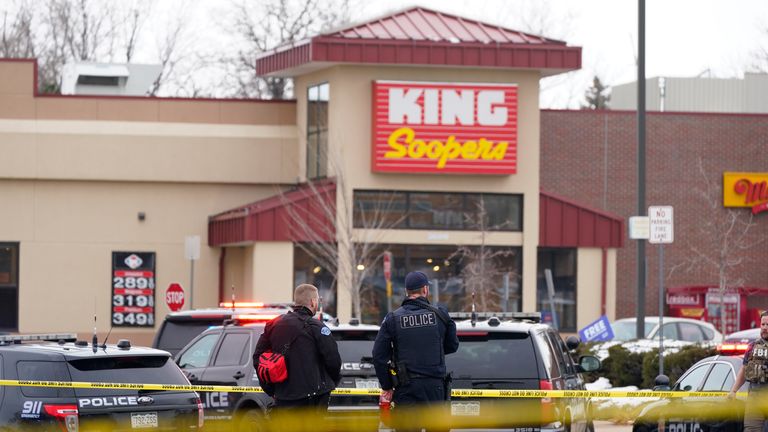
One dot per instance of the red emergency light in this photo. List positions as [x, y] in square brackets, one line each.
[732, 349]
[244, 318]
[241, 304]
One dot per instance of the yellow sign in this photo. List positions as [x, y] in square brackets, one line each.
[746, 190]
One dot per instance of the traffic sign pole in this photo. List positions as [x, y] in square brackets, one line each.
[662, 230]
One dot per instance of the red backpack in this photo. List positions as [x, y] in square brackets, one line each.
[272, 368]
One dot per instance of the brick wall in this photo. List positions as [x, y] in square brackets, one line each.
[591, 156]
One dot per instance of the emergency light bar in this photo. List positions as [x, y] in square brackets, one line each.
[241, 304]
[511, 316]
[255, 317]
[53, 337]
[732, 349]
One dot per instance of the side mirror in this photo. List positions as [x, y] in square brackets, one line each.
[589, 363]
[661, 383]
[572, 342]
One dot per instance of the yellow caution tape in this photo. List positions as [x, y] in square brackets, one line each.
[459, 393]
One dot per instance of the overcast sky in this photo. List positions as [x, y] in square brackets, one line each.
[684, 38]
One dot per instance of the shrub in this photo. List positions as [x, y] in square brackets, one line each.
[623, 367]
[675, 364]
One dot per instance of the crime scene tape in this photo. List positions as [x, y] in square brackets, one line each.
[459, 393]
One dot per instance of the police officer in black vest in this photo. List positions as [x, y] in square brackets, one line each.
[755, 370]
[415, 338]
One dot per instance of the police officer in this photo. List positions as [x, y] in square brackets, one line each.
[755, 370]
[312, 359]
[416, 337]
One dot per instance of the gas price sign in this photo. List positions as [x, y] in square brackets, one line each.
[133, 289]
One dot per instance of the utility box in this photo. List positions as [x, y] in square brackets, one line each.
[87, 78]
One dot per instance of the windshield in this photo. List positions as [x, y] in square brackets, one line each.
[355, 345]
[175, 335]
[626, 330]
[135, 369]
[489, 356]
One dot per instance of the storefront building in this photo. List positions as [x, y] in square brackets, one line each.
[414, 137]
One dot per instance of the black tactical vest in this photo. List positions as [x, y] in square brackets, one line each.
[757, 365]
[419, 341]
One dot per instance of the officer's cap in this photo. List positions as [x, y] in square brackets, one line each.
[415, 280]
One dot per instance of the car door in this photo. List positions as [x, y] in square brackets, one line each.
[229, 366]
[692, 380]
[571, 380]
[194, 358]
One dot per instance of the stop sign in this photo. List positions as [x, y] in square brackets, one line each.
[174, 297]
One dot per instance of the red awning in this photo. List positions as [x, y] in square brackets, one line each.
[420, 36]
[289, 216]
[565, 223]
[285, 217]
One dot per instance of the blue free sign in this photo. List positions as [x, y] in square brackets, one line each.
[597, 331]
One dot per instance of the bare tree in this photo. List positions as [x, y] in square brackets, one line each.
[338, 238]
[722, 242]
[56, 32]
[261, 26]
[483, 265]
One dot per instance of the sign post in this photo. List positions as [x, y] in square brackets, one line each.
[192, 253]
[174, 297]
[387, 261]
[662, 231]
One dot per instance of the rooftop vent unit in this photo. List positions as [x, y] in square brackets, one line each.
[108, 79]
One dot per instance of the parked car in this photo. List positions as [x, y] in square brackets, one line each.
[738, 342]
[58, 357]
[681, 329]
[516, 351]
[223, 355]
[178, 328]
[715, 373]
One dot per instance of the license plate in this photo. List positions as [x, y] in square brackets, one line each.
[366, 383]
[144, 420]
[465, 408]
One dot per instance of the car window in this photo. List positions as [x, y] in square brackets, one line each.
[670, 332]
[129, 369]
[175, 335]
[232, 348]
[709, 334]
[717, 377]
[491, 355]
[355, 345]
[690, 332]
[560, 352]
[626, 330]
[729, 380]
[548, 357]
[692, 381]
[45, 371]
[197, 355]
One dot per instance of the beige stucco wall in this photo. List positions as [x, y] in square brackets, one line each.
[75, 172]
[350, 149]
[272, 271]
[589, 272]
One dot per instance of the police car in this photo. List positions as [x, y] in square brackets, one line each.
[500, 351]
[59, 357]
[178, 328]
[223, 355]
[715, 373]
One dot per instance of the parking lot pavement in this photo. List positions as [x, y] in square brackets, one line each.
[606, 426]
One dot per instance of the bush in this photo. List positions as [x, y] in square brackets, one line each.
[675, 364]
[623, 367]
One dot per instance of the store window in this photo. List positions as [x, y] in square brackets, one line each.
[562, 307]
[317, 131]
[438, 210]
[314, 264]
[9, 286]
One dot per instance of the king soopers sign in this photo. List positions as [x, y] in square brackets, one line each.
[428, 127]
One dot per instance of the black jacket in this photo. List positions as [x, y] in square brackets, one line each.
[415, 335]
[313, 360]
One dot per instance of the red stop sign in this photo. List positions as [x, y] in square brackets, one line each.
[174, 297]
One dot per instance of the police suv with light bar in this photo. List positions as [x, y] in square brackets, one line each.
[513, 350]
[59, 357]
[223, 355]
